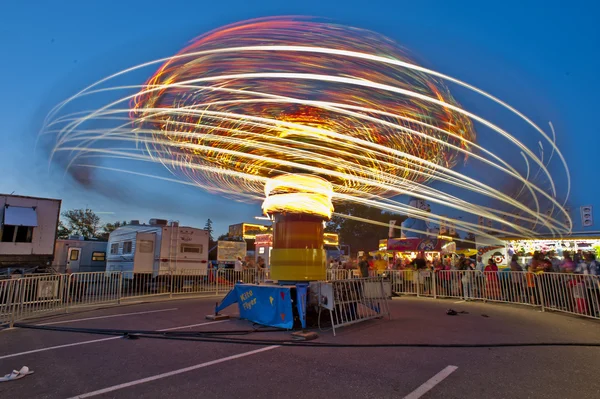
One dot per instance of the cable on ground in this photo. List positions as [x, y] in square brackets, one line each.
[209, 336]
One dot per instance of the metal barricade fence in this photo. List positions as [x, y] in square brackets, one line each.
[191, 281]
[408, 281]
[465, 284]
[356, 300]
[7, 300]
[93, 288]
[138, 285]
[31, 296]
[571, 293]
[339, 274]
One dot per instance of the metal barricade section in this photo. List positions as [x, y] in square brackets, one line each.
[339, 274]
[33, 296]
[137, 285]
[354, 300]
[8, 300]
[94, 288]
[570, 293]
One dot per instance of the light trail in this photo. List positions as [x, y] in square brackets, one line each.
[227, 139]
[227, 116]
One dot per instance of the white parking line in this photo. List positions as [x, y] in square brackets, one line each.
[99, 340]
[430, 383]
[172, 373]
[105, 317]
[459, 302]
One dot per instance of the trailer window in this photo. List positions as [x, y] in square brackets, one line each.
[8, 233]
[12, 233]
[98, 256]
[114, 249]
[145, 246]
[74, 254]
[194, 249]
[24, 234]
[127, 247]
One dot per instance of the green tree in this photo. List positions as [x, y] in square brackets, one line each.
[212, 244]
[83, 222]
[109, 228]
[63, 231]
[208, 227]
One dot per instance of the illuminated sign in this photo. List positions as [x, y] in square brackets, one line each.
[229, 251]
[415, 244]
[248, 231]
[331, 239]
[263, 240]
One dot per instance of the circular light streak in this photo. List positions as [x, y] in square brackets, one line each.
[312, 110]
[249, 103]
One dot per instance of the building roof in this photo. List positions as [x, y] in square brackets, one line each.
[29, 197]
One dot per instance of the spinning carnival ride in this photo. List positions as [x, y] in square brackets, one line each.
[301, 114]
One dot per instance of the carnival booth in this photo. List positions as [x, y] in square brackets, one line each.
[525, 248]
[418, 237]
[432, 248]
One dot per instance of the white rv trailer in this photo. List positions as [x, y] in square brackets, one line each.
[27, 231]
[157, 247]
[78, 255]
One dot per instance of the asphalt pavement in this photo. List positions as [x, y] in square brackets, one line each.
[70, 364]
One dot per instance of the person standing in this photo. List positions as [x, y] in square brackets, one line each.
[480, 266]
[238, 267]
[567, 265]
[593, 267]
[516, 271]
[380, 265]
[492, 285]
[467, 280]
[555, 262]
[363, 265]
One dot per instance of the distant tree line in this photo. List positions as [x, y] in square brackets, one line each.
[85, 223]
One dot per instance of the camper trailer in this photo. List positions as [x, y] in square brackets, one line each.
[27, 231]
[79, 255]
[157, 247]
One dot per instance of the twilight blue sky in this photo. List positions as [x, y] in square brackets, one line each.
[540, 56]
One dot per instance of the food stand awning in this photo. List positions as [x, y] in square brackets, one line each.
[467, 252]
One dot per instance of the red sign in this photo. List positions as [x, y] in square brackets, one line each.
[484, 249]
[415, 244]
[263, 240]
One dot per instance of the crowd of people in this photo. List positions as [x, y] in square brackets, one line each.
[546, 279]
